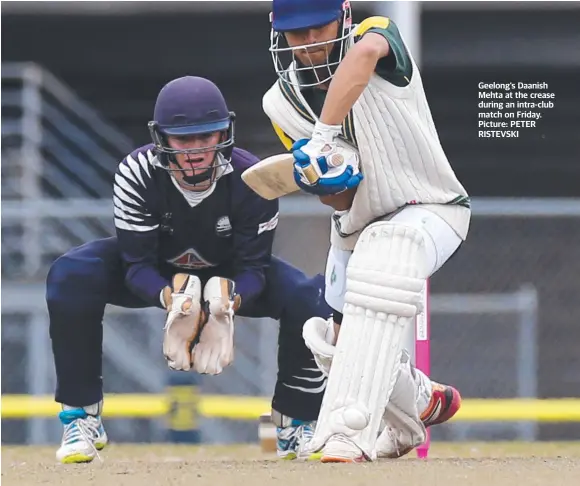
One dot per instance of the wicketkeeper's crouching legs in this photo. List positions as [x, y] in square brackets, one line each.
[79, 286]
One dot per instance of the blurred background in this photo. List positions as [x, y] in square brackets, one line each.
[79, 81]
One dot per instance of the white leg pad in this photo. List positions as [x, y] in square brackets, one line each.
[401, 428]
[404, 429]
[385, 276]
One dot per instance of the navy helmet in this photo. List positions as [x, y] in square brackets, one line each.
[192, 105]
[304, 14]
[289, 15]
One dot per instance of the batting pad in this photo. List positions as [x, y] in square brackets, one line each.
[385, 276]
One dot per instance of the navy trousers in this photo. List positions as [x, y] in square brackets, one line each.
[84, 280]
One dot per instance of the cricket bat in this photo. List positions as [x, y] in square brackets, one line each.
[272, 177]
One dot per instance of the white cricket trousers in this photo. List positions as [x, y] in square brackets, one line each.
[440, 239]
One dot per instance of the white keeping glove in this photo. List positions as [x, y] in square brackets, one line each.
[215, 349]
[184, 321]
[318, 335]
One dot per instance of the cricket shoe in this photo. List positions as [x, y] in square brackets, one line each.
[292, 440]
[83, 436]
[444, 403]
[339, 448]
[292, 436]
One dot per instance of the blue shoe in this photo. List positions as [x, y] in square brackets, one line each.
[83, 436]
[292, 439]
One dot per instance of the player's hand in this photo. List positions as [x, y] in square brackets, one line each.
[320, 167]
[215, 349]
[185, 320]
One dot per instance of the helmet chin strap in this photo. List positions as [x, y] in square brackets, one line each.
[199, 175]
[189, 186]
[211, 173]
[206, 175]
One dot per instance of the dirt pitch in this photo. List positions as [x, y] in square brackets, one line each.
[505, 464]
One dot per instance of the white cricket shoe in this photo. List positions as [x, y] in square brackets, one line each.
[339, 448]
[83, 436]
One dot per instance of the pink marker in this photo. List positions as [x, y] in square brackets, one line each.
[423, 355]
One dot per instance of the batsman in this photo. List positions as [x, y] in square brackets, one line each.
[350, 104]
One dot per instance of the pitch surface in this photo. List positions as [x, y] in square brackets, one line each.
[465, 464]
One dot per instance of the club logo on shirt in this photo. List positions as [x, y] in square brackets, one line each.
[223, 227]
[190, 259]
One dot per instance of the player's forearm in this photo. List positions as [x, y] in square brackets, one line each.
[249, 285]
[146, 282]
[350, 80]
[139, 253]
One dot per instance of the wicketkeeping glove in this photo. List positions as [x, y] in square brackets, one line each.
[185, 320]
[215, 349]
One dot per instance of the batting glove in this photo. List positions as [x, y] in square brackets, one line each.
[320, 167]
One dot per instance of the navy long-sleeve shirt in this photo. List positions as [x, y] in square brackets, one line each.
[229, 233]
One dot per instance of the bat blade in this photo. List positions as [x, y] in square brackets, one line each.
[272, 177]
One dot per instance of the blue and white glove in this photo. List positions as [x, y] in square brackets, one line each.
[320, 167]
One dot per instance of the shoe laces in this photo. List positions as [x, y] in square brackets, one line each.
[306, 431]
[302, 432]
[82, 428]
[394, 438]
